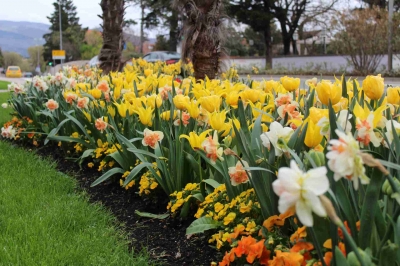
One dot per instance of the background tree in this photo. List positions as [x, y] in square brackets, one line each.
[362, 34]
[113, 24]
[382, 4]
[202, 35]
[130, 52]
[36, 57]
[258, 15]
[92, 45]
[294, 14]
[12, 59]
[1, 58]
[72, 32]
[161, 43]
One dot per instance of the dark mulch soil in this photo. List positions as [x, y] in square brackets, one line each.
[164, 239]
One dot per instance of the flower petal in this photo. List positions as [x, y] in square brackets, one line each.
[316, 181]
[304, 213]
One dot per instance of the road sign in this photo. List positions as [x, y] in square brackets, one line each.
[58, 54]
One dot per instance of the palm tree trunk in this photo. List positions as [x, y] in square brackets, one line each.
[113, 22]
[203, 33]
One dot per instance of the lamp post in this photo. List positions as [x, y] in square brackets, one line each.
[324, 38]
[59, 13]
[390, 35]
[37, 42]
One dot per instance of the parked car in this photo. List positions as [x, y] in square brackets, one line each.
[164, 56]
[13, 72]
[94, 62]
[28, 75]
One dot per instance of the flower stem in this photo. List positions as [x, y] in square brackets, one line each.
[317, 245]
[352, 243]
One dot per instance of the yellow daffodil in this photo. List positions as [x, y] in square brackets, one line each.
[327, 91]
[290, 84]
[373, 87]
[194, 139]
[145, 115]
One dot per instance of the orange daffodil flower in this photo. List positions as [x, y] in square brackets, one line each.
[366, 122]
[152, 138]
[100, 124]
[212, 148]
[52, 105]
[299, 189]
[238, 174]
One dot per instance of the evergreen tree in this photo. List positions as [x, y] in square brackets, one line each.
[72, 33]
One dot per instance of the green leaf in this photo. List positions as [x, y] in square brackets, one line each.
[151, 215]
[107, 175]
[340, 258]
[139, 151]
[202, 224]
[136, 171]
[212, 182]
[344, 87]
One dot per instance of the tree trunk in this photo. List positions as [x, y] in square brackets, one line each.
[294, 47]
[113, 22]
[173, 27]
[202, 36]
[268, 46]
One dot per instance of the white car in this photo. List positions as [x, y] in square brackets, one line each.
[94, 62]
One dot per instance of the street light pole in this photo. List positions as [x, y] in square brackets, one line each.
[59, 13]
[390, 48]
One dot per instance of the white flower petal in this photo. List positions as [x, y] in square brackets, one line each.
[287, 200]
[314, 203]
[304, 213]
[316, 181]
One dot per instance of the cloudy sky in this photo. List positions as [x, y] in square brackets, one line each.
[38, 10]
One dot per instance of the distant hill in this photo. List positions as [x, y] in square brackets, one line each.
[17, 36]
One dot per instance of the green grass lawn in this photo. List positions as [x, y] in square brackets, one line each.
[3, 85]
[4, 113]
[43, 221]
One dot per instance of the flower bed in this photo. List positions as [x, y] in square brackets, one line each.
[278, 172]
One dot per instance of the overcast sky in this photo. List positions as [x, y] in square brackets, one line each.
[38, 10]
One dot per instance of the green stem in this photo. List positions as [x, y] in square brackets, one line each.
[389, 232]
[317, 245]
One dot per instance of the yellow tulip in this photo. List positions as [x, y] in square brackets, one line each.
[269, 85]
[251, 95]
[315, 114]
[122, 108]
[111, 111]
[211, 103]
[393, 95]
[193, 109]
[148, 72]
[232, 99]
[145, 116]
[96, 93]
[373, 87]
[194, 139]
[88, 116]
[217, 120]
[341, 105]
[258, 109]
[327, 91]
[290, 84]
[180, 101]
[129, 96]
[153, 100]
[167, 115]
[313, 136]
[102, 104]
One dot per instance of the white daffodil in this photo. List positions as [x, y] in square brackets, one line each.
[389, 128]
[344, 159]
[4, 105]
[276, 132]
[8, 132]
[343, 118]
[299, 189]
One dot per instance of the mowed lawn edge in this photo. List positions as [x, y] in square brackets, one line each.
[44, 221]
